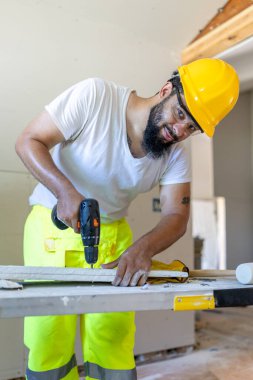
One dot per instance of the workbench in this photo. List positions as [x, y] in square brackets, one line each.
[63, 298]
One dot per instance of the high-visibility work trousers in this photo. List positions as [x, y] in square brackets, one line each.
[107, 338]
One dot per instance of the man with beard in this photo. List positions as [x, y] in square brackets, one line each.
[111, 144]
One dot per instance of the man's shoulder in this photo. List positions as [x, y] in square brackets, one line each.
[92, 82]
[89, 87]
[97, 81]
[100, 85]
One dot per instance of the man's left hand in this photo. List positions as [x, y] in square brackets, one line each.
[133, 267]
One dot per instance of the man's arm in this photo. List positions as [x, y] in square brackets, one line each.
[135, 262]
[33, 147]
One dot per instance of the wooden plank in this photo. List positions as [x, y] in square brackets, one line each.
[203, 273]
[229, 10]
[13, 272]
[85, 298]
[221, 38]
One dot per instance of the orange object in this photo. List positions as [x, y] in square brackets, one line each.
[95, 222]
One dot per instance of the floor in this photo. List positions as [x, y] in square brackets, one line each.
[224, 350]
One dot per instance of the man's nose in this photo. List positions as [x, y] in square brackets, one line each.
[181, 130]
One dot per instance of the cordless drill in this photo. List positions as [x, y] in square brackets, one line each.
[89, 225]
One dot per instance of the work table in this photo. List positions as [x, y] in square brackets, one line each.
[55, 298]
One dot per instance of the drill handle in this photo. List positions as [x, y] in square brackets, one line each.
[90, 222]
[57, 222]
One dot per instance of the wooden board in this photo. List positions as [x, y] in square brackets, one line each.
[231, 32]
[229, 10]
[203, 273]
[86, 298]
[13, 272]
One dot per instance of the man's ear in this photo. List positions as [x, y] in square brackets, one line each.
[166, 90]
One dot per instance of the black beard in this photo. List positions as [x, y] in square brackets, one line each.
[152, 143]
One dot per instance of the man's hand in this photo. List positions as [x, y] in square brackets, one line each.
[133, 267]
[68, 207]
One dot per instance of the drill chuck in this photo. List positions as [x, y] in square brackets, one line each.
[91, 254]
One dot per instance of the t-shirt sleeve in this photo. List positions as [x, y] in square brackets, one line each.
[179, 164]
[71, 109]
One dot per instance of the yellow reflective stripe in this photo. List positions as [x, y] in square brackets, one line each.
[198, 302]
[52, 374]
[95, 371]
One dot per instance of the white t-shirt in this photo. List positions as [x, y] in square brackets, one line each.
[95, 156]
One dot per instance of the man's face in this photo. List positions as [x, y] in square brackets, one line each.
[167, 124]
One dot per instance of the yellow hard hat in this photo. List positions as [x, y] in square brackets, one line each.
[211, 89]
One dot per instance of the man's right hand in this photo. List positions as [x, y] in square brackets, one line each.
[68, 208]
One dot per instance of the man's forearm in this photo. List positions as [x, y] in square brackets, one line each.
[135, 263]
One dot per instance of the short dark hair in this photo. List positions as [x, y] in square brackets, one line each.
[176, 82]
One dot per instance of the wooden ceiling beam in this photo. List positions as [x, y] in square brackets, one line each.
[224, 36]
[229, 10]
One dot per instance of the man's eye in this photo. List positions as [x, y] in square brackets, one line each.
[180, 113]
[192, 128]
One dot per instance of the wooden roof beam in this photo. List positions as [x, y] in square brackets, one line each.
[224, 36]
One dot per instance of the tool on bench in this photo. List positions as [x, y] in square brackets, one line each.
[89, 225]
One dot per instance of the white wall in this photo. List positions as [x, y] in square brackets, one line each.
[232, 153]
[202, 167]
[222, 167]
[251, 128]
[233, 159]
[46, 46]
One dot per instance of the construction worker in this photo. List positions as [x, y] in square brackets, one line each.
[111, 144]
